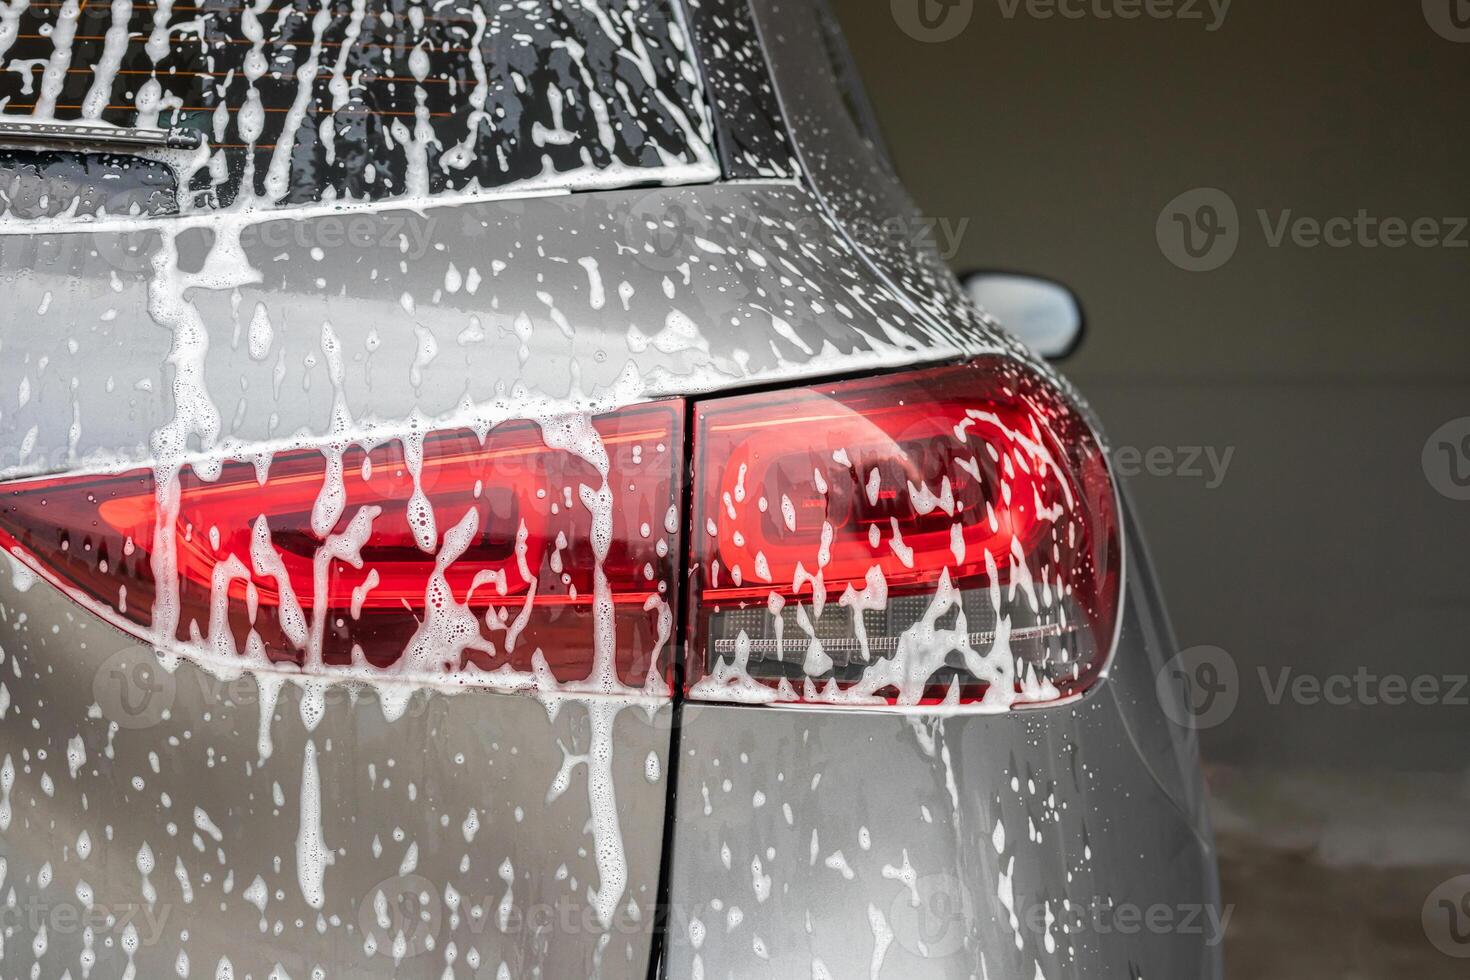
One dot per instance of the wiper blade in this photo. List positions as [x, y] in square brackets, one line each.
[16, 132]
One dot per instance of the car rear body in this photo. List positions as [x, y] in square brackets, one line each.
[167, 811]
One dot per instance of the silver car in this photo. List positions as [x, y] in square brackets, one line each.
[508, 490]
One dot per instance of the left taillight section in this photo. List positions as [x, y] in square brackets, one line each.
[537, 549]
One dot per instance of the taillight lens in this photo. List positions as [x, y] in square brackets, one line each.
[533, 549]
[947, 535]
[942, 535]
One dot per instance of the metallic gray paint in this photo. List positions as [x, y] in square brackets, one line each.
[161, 750]
[1101, 817]
[698, 243]
[1110, 774]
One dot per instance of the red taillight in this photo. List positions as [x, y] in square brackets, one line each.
[940, 535]
[537, 548]
[947, 535]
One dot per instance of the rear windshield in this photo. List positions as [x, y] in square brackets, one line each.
[346, 100]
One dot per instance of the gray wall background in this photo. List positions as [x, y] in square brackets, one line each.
[1325, 370]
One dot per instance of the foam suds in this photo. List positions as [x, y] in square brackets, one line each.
[312, 853]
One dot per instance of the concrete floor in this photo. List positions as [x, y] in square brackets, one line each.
[1327, 877]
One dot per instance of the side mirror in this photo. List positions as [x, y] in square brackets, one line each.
[1042, 314]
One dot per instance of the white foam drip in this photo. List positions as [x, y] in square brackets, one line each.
[10, 24]
[63, 33]
[114, 46]
[312, 853]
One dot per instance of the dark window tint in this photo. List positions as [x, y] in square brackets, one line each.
[44, 184]
[370, 99]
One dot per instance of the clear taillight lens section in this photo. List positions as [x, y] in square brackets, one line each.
[443, 552]
[942, 535]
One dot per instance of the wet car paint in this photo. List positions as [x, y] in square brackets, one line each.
[727, 286]
[146, 835]
[1061, 843]
[672, 290]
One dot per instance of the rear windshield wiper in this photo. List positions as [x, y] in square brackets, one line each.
[15, 132]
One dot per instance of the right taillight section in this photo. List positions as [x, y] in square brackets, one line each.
[941, 536]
